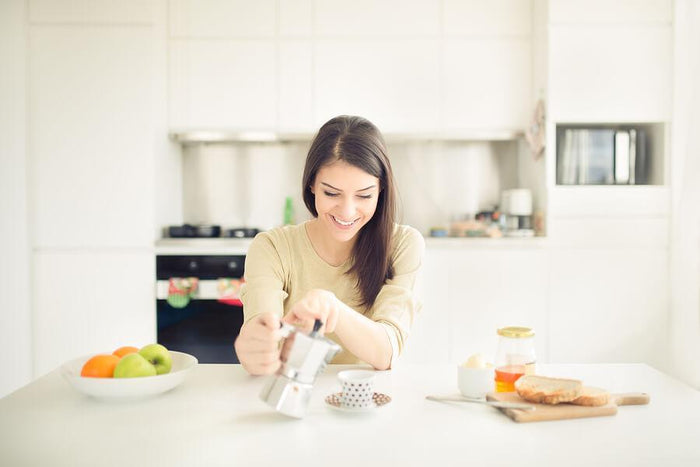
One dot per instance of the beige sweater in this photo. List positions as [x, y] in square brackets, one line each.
[282, 266]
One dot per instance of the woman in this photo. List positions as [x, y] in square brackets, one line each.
[351, 266]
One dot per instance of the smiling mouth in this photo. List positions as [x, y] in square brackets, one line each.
[343, 223]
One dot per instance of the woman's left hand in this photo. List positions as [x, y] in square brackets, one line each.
[316, 304]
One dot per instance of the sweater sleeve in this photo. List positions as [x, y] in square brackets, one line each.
[263, 290]
[397, 304]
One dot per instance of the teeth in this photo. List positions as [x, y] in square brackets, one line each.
[343, 223]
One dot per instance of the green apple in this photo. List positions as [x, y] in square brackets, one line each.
[158, 356]
[133, 365]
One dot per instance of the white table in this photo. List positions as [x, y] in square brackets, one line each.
[216, 418]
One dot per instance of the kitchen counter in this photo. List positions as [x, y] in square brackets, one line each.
[216, 418]
[202, 246]
[239, 246]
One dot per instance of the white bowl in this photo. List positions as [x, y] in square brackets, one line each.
[128, 388]
[475, 382]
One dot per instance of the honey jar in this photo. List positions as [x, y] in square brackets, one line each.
[515, 356]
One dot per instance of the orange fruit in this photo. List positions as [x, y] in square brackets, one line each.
[100, 366]
[126, 350]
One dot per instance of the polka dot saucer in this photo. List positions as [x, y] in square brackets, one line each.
[378, 399]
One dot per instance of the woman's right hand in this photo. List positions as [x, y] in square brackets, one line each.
[257, 344]
[317, 304]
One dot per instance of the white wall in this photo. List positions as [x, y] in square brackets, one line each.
[15, 312]
[685, 226]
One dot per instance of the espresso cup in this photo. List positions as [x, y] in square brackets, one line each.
[358, 388]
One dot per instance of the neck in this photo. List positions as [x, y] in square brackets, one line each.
[330, 250]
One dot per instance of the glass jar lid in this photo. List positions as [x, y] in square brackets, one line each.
[516, 332]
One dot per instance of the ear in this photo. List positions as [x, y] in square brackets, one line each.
[311, 189]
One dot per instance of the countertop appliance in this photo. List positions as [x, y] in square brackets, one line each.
[209, 231]
[516, 207]
[205, 322]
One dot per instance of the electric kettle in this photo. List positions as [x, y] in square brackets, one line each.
[304, 356]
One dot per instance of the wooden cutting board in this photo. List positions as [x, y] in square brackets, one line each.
[544, 412]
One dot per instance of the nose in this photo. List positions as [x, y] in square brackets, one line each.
[347, 209]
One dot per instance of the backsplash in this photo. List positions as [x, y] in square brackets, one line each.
[246, 184]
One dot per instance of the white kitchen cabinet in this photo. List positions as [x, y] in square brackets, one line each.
[609, 201]
[472, 288]
[95, 74]
[610, 73]
[369, 18]
[290, 66]
[487, 83]
[15, 247]
[91, 11]
[394, 83]
[429, 338]
[91, 302]
[609, 305]
[641, 232]
[296, 86]
[604, 11]
[478, 18]
[295, 18]
[493, 288]
[221, 18]
[223, 84]
[608, 297]
[90, 132]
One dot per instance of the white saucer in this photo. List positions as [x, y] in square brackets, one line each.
[379, 399]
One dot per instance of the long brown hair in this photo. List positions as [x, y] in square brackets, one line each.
[358, 142]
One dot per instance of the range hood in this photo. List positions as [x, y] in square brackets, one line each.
[196, 136]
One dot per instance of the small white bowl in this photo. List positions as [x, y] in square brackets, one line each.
[475, 382]
[128, 388]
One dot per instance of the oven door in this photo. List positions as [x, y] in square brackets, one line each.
[206, 326]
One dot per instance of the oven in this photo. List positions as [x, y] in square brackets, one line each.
[198, 310]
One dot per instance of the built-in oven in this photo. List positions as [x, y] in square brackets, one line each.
[201, 319]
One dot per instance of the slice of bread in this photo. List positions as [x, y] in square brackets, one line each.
[592, 397]
[545, 390]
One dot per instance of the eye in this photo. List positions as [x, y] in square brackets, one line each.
[365, 196]
[329, 194]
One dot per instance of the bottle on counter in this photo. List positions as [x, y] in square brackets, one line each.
[515, 356]
[288, 211]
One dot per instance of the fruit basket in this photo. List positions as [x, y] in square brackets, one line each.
[128, 388]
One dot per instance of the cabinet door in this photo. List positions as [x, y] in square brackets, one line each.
[296, 86]
[604, 11]
[198, 19]
[223, 84]
[91, 128]
[91, 302]
[608, 305]
[392, 82]
[369, 18]
[89, 12]
[487, 83]
[428, 342]
[490, 289]
[610, 73]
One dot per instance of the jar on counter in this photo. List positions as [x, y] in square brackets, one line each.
[515, 356]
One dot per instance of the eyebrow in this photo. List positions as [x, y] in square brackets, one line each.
[338, 189]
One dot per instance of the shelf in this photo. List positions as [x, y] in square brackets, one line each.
[253, 137]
